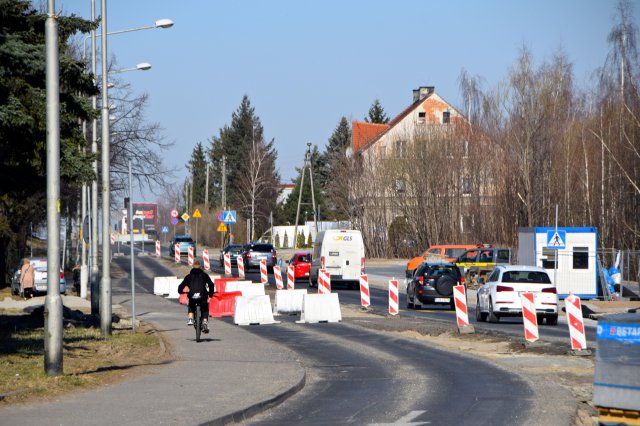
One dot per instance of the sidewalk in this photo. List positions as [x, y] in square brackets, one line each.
[230, 375]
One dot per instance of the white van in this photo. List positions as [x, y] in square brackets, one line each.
[341, 253]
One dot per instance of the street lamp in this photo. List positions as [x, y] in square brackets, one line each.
[143, 66]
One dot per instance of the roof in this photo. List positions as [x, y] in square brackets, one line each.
[363, 132]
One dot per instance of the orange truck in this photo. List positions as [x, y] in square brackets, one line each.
[439, 253]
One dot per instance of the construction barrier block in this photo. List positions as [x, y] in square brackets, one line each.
[174, 282]
[221, 283]
[223, 304]
[253, 310]
[320, 308]
[247, 288]
[161, 285]
[289, 301]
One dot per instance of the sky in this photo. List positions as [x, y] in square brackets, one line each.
[306, 64]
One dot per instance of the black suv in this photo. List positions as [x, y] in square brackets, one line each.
[432, 283]
[253, 253]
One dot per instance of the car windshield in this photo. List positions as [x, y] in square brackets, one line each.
[261, 247]
[443, 269]
[184, 239]
[304, 258]
[453, 252]
[234, 249]
[532, 277]
[469, 256]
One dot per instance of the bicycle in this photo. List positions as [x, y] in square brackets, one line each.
[197, 323]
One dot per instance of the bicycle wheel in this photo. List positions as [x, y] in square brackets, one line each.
[198, 323]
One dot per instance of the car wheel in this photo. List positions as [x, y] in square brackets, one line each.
[480, 316]
[552, 319]
[410, 304]
[491, 316]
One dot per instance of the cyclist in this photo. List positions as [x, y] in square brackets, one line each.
[201, 288]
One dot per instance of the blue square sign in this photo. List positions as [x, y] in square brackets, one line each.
[557, 239]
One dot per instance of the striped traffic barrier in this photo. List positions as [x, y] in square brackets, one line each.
[462, 312]
[191, 256]
[240, 261]
[277, 273]
[176, 252]
[205, 260]
[227, 263]
[365, 299]
[576, 323]
[393, 297]
[324, 282]
[113, 238]
[158, 248]
[291, 278]
[529, 318]
[264, 279]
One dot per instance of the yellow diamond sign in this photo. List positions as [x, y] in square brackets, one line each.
[222, 227]
[185, 217]
[196, 214]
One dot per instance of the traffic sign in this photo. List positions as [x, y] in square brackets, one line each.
[174, 220]
[556, 240]
[222, 228]
[221, 217]
[196, 214]
[174, 213]
[229, 216]
[165, 229]
[185, 216]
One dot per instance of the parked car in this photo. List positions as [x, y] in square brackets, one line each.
[185, 242]
[39, 266]
[500, 295]
[234, 250]
[478, 262]
[253, 253]
[301, 263]
[439, 253]
[432, 284]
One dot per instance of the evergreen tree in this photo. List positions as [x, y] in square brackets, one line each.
[285, 243]
[376, 114]
[338, 142]
[276, 242]
[309, 240]
[197, 168]
[300, 240]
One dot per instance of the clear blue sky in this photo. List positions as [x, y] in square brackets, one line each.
[305, 64]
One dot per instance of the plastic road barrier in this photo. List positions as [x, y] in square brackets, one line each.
[227, 263]
[289, 301]
[205, 260]
[246, 287]
[176, 252]
[277, 273]
[223, 304]
[220, 284]
[462, 311]
[529, 318]
[240, 260]
[191, 255]
[320, 308]
[253, 310]
[393, 297]
[158, 248]
[173, 288]
[291, 278]
[324, 282]
[264, 279]
[576, 324]
[161, 285]
[113, 238]
[365, 299]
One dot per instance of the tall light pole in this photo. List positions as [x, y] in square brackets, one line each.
[53, 301]
[105, 282]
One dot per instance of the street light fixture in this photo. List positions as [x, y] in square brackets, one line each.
[143, 66]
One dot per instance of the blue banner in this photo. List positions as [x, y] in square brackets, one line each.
[626, 333]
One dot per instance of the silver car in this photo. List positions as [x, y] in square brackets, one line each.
[39, 266]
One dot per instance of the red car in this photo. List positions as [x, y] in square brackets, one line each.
[301, 263]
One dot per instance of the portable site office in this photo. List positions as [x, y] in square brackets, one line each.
[575, 250]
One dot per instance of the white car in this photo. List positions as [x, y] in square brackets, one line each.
[500, 295]
[40, 278]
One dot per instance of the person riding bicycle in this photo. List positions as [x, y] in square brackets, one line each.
[201, 288]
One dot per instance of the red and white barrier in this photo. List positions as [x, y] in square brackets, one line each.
[529, 318]
[113, 239]
[176, 252]
[227, 263]
[365, 299]
[324, 282]
[277, 273]
[264, 278]
[191, 255]
[240, 260]
[291, 278]
[576, 324]
[462, 311]
[205, 260]
[393, 297]
[158, 248]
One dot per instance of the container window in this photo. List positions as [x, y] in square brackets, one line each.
[548, 258]
[580, 258]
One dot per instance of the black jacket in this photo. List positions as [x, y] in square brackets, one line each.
[198, 281]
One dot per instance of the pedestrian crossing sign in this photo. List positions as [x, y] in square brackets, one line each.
[229, 216]
[557, 239]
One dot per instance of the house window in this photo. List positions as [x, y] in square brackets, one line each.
[466, 223]
[400, 185]
[548, 258]
[421, 117]
[401, 149]
[445, 117]
[465, 149]
[466, 185]
[580, 258]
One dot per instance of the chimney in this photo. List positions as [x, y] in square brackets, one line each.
[422, 92]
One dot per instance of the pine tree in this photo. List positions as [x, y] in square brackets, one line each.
[377, 114]
[197, 168]
[338, 143]
[276, 241]
[285, 243]
[309, 240]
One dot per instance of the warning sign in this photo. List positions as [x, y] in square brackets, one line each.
[185, 217]
[222, 227]
[196, 214]
[557, 240]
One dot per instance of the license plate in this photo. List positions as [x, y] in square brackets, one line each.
[334, 253]
[442, 300]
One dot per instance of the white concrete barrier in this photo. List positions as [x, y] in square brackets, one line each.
[289, 301]
[320, 308]
[174, 282]
[253, 310]
[161, 285]
[247, 288]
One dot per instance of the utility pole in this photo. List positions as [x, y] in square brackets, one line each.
[306, 166]
[224, 194]
[133, 269]
[94, 282]
[206, 190]
[53, 301]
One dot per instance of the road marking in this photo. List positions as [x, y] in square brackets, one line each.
[406, 420]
